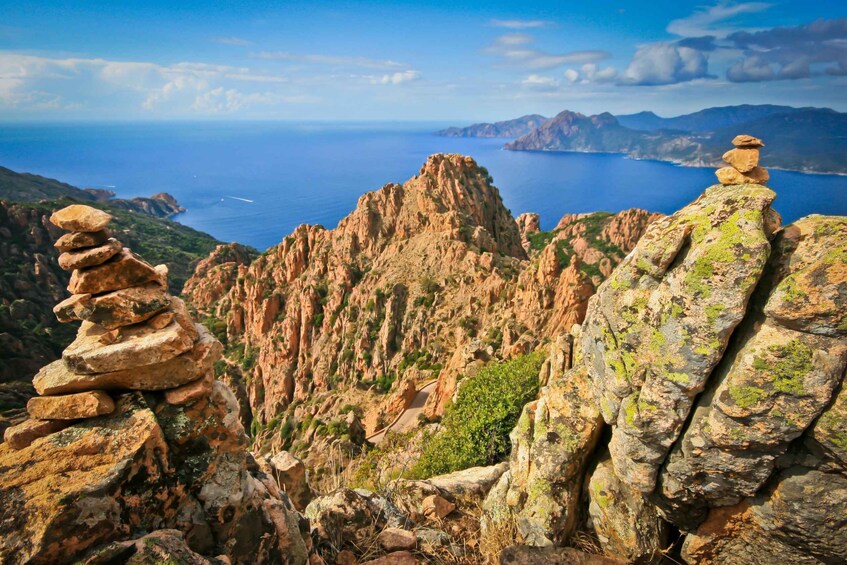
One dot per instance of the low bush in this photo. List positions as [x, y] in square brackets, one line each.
[476, 427]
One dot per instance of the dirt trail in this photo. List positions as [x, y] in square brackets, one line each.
[409, 418]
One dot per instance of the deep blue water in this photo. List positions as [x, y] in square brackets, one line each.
[314, 173]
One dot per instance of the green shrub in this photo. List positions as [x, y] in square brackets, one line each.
[469, 324]
[383, 382]
[539, 240]
[476, 428]
[217, 327]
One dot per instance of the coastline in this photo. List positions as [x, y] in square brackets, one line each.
[678, 163]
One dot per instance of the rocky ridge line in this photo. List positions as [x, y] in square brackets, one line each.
[426, 279]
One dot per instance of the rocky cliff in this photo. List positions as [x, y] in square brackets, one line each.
[423, 280]
[705, 397]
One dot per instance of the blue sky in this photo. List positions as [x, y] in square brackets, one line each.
[423, 60]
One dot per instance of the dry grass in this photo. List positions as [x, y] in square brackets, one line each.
[586, 543]
[501, 531]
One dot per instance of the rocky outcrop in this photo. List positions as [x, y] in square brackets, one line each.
[215, 275]
[423, 280]
[528, 223]
[551, 445]
[662, 322]
[626, 524]
[163, 449]
[291, 476]
[715, 354]
[147, 467]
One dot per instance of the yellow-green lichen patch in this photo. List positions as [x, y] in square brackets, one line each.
[643, 265]
[630, 413]
[736, 433]
[787, 366]
[624, 365]
[539, 494]
[713, 311]
[833, 423]
[602, 499]
[569, 440]
[746, 396]
[540, 431]
[679, 378]
[634, 405]
[698, 277]
[727, 248]
[709, 348]
[789, 290]
[657, 341]
[616, 283]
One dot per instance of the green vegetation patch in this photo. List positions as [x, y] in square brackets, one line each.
[476, 427]
[540, 239]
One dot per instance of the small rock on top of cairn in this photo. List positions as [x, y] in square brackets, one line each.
[134, 335]
[81, 218]
[747, 141]
[743, 163]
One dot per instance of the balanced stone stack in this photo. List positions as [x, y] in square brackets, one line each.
[744, 162]
[133, 336]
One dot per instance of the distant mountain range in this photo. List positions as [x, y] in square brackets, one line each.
[509, 128]
[801, 139]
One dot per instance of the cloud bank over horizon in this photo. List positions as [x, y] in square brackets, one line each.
[425, 63]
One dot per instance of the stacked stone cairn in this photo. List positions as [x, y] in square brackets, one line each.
[133, 336]
[744, 162]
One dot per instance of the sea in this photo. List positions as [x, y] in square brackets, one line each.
[254, 182]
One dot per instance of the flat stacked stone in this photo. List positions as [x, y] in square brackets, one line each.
[744, 162]
[133, 336]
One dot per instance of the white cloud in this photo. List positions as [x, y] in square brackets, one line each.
[514, 50]
[714, 20]
[521, 24]
[328, 60]
[540, 83]
[514, 39]
[397, 78]
[664, 63]
[235, 41]
[33, 83]
[571, 75]
[592, 73]
[750, 69]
